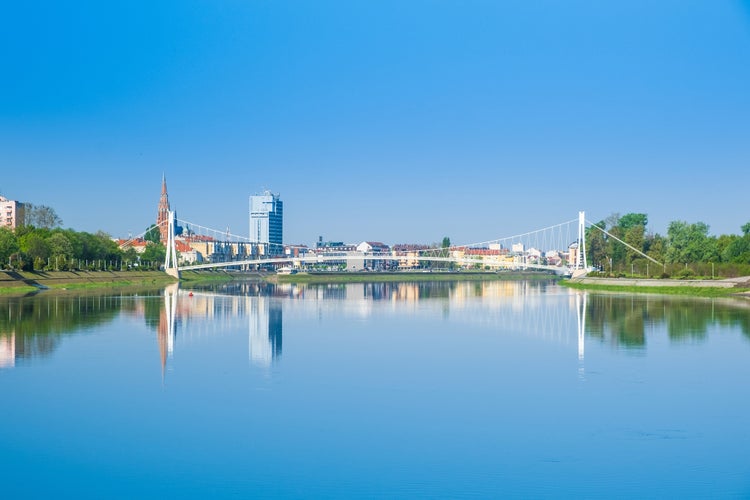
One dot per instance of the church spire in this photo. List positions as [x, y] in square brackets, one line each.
[162, 214]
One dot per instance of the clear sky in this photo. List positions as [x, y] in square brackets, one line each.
[397, 121]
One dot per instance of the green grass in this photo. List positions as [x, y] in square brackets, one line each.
[693, 291]
[17, 290]
[66, 280]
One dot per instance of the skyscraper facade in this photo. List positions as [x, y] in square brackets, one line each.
[267, 221]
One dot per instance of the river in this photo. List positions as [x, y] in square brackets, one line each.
[450, 390]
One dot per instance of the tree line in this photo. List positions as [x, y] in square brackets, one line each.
[41, 244]
[686, 250]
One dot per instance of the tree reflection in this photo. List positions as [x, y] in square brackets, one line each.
[625, 319]
[34, 326]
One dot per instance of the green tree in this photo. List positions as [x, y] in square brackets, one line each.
[632, 220]
[8, 245]
[689, 243]
[635, 237]
[616, 250]
[152, 234]
[596, 244]
[656, 247]
[130, 255]
[738, 250]
[154, 253]
[60, 245]
[34, 246]
[110, 249]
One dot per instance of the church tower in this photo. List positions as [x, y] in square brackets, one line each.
[163, 212]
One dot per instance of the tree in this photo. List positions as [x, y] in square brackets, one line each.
[615, 249]
[41, 216]
[738, 251]
[596, 244]
[446, 242]
[634, 237]
[656, 247]
[8, 245]
[110, 249]
[60, 246]
[34, 246]
[689, 242]
[152, 234]
[154, 253]
[631, 220]
[130, 255]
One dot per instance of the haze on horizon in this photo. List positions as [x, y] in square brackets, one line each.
[390, 121]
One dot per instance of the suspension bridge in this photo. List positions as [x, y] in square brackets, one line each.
[559, 248]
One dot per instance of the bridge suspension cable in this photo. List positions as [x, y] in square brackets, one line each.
[626, 244]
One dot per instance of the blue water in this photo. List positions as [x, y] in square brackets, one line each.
[387, 390]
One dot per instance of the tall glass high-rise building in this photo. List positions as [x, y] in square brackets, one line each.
[267, 221]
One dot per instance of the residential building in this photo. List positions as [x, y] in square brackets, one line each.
[373, 247]
[12, 213]
[267, 221]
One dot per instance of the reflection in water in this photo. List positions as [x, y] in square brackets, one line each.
[623, 320]
[34, 326]
[8, 351]
[265, 331]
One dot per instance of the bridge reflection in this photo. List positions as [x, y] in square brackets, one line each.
[519, 306]
[200, 313]
[33, 327]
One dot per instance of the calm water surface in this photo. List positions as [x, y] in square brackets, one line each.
[512, 389]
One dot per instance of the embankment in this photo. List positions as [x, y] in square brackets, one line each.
[723, 287]
[26, 281]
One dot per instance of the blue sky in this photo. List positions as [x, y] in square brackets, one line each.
[398, 121]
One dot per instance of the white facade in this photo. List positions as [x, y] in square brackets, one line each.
[267, 221]
[11, 213]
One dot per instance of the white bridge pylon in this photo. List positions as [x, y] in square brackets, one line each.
[559, 237]
[171, 266]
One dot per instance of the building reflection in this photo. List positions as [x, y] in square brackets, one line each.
[265, 331]
[205, 312]
[8, 350]
[35, 326]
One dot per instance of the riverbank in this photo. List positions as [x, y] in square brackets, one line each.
[705, 288]
[25, 282]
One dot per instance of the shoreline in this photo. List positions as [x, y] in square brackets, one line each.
[33, 282]
[28, 282]
[393, 277]
[730, 287]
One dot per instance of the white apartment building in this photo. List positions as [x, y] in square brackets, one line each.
[11, 213]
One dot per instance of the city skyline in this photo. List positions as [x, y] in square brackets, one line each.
[395, 122]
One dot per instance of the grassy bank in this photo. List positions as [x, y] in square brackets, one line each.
[694, 291]
[12, 282]
[344, 277]
[24, 282]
